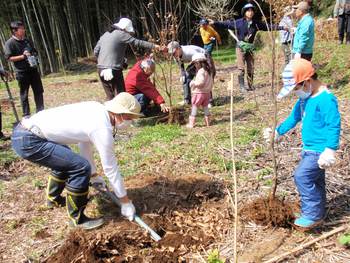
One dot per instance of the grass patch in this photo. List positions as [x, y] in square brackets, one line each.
[247, 135]
[7, 156]
[224, 55]
[158, 133]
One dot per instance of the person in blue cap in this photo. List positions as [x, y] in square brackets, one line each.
[317, 110]
[246, 29]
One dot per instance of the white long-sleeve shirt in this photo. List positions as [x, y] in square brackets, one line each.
[86, 124]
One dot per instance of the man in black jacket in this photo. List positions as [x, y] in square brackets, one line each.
[21, 51]
[246, 29]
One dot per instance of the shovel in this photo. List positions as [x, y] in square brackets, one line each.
[100, 185]
[10, 98]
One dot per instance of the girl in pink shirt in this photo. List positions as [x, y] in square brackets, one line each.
[201, 88]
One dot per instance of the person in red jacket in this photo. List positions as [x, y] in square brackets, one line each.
[137, 83]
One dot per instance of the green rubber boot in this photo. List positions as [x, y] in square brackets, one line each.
[76, 203]
[54, 189]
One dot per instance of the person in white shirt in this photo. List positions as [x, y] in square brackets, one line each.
[42, 139]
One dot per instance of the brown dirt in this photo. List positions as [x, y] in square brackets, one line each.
[185, 211]
[263, 211]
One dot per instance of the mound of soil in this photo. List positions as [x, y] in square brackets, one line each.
[189, 212]
[274, 213]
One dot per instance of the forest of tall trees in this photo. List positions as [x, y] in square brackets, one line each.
[64, 30]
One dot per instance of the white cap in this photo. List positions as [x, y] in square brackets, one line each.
[125, 24]
[172, 46]
[199, 57]
[124, 103]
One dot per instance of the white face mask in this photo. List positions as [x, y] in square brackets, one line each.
[303, 94]
[124, 125]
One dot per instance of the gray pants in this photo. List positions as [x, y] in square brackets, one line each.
[286, 52]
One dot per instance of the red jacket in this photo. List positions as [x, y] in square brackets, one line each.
[137, 81]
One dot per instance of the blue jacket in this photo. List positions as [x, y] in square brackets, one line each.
[245, 31]
[320, 122]
[304, 37]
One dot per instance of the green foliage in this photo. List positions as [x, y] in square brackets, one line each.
[247, 135]
[224, 55]
[152, 134]
[37, 183]
[214, 257]
[344, 239]
[7, 156]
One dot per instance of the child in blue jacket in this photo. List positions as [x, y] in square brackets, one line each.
[317, 110]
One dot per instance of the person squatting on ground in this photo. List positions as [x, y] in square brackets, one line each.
[42, 139]
[342, 11]
[201, 88]
[110, 52]
[304, 37]
[209, 36]
[3, 75]
[246, 29]
[287, 36]
[183, 54]
[138, 84]
[20, 50]
[317, 110]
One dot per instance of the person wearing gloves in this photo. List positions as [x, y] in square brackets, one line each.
[43, 139]
[138, 84]
[209, 36]
[342, 12]
[246, 29]
[201, 88]
[287, 36]
[317, 110]
[110, 52]
[304, 36]
[183, 54]
[20, 50]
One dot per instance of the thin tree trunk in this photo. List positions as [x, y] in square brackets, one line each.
[43, 38]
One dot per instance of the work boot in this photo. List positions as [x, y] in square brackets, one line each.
[76, 203]
[191, 122]
[250, 81]
[207, 120]
[241, 83]
[54, 189]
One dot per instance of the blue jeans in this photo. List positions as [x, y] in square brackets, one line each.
[143, 100]
[209, 47]
[66, 164]
[311, 185]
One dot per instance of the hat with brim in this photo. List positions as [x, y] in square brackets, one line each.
[172, 46]
[198, 57]
[124, 103]
[296, 71]
[302, 6]
[125, 24]
[246, 7]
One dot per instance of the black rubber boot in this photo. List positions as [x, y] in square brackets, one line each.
[241, 83]
[76, 203]
[54, 189]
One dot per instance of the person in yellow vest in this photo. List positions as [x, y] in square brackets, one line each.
[209, 35]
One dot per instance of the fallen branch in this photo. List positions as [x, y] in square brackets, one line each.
[307, 244]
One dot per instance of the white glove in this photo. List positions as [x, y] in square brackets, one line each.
[98, 181]
[106, 74]
[212, 39]
[327, 158]
[267, 135]
[182, 79]
[128, 210]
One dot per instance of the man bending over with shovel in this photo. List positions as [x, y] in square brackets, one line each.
[42, 139]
